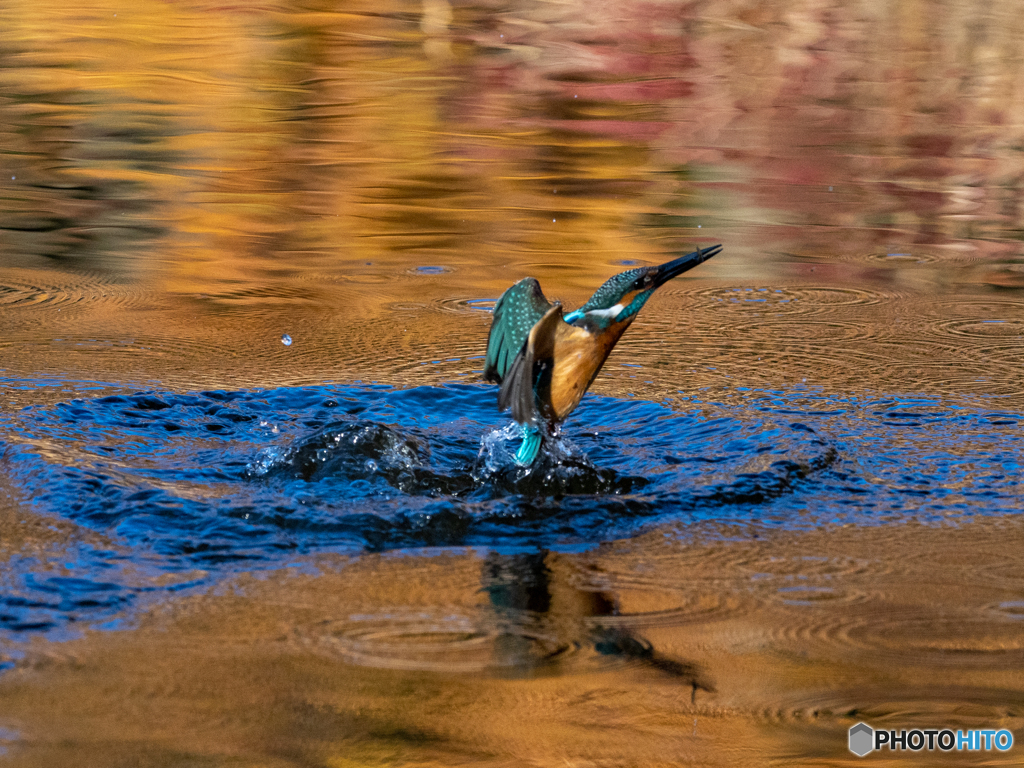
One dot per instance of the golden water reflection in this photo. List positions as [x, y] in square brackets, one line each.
[246, 154]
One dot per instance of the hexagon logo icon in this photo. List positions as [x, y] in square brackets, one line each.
[861, 737]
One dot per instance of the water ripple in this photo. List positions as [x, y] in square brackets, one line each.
[794, 300]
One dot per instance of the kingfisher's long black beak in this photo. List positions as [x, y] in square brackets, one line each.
[676, 267]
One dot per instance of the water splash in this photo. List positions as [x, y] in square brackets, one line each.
[561, 468]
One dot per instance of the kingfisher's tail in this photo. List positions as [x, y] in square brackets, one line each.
[533, 438]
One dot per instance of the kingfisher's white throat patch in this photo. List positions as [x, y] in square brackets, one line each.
[612, 312]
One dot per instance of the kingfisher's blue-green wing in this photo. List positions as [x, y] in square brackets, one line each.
[517, 311]
[529, 376]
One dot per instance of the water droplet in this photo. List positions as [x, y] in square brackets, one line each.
[698, 226]
[553, 221]
[371, 465]
[286, 340]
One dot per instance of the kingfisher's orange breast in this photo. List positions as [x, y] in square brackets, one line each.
[579, 355]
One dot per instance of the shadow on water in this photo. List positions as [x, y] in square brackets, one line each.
[521, 594]
[214, 482]
[545, 613]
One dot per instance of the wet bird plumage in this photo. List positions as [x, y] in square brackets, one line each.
[545, 360]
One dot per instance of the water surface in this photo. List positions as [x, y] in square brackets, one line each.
[256, 504]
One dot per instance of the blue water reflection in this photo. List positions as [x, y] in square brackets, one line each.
[187, 488]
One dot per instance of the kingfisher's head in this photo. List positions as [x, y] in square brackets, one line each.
[623, 296]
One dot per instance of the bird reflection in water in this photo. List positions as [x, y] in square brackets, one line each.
[542, 617]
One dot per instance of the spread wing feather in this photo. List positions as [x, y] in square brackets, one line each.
[530, 373]
[519, 309]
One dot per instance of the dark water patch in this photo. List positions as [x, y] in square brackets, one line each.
[219, 481]
[61, 592]
[375, 441]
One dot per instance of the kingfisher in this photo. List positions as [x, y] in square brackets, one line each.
[545, 360]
